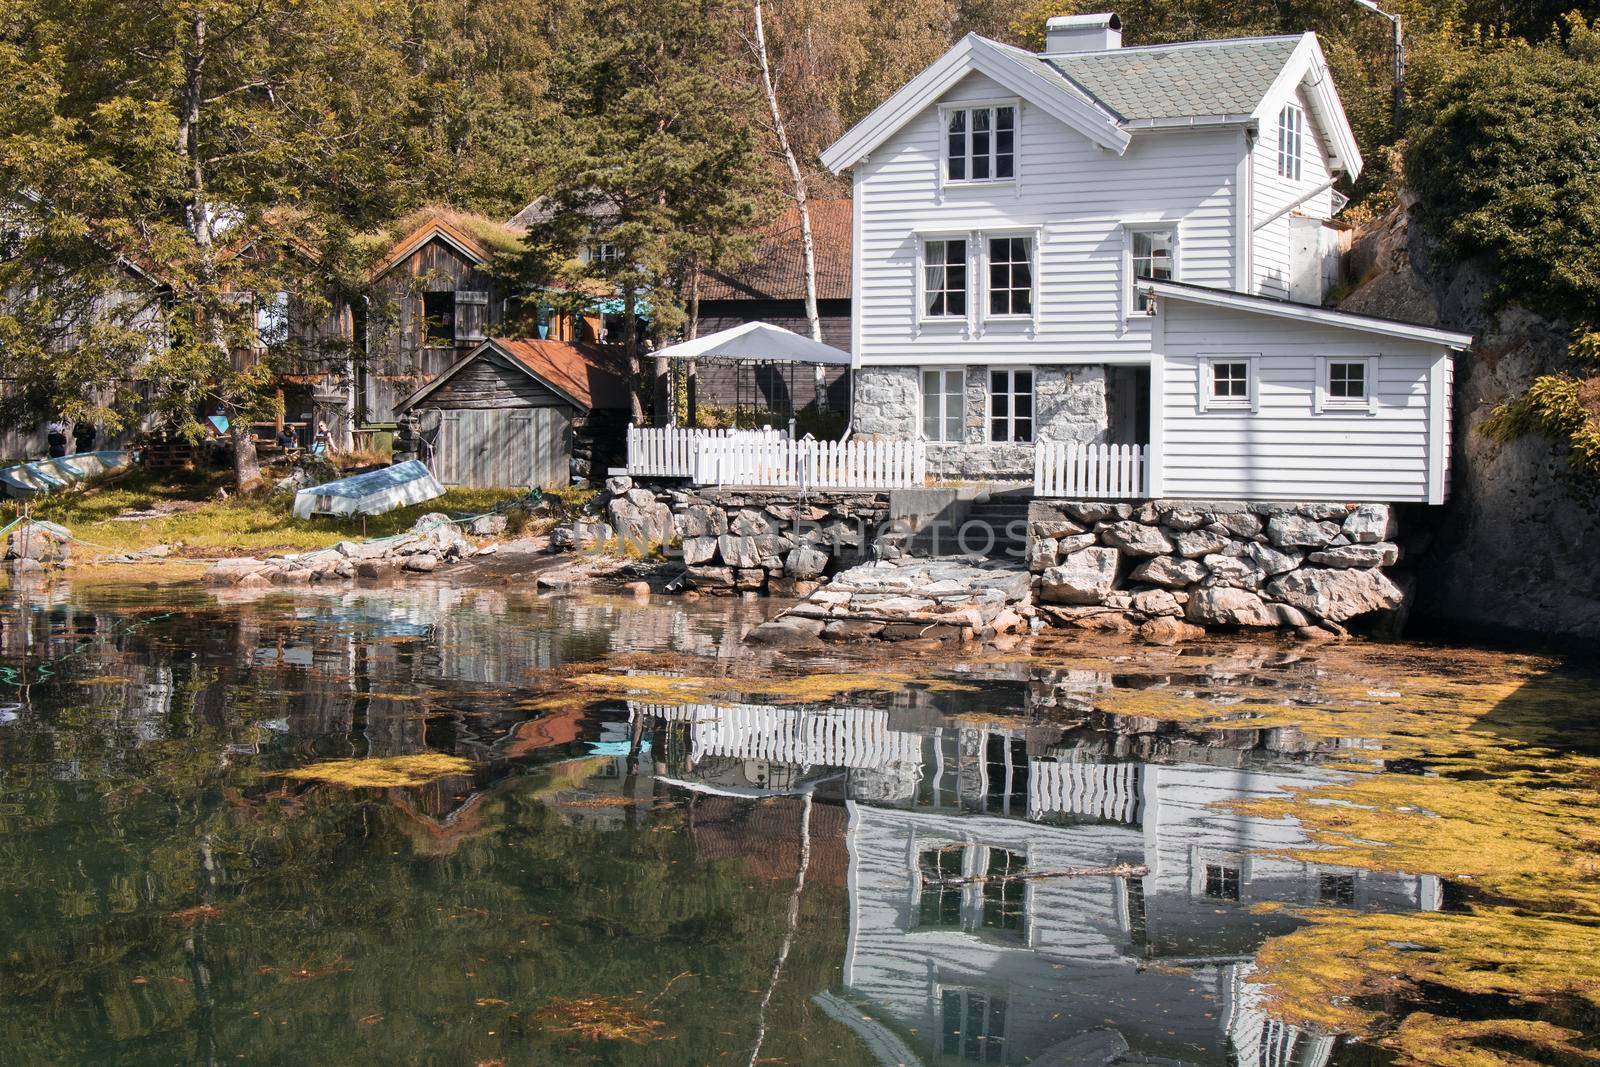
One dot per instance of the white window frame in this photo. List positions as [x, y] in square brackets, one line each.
[1210, 403]
[1032, 237]
[923, 318]
[943, 373]
[945, 111]
[1326, 403]
[974, 861]
[1291, 141]
[1011, 408]
[1130, 287]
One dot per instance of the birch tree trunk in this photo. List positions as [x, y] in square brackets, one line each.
[630, 343]
[797, 178]
[199, 220]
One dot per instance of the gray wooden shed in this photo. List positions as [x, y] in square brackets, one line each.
[515, 413]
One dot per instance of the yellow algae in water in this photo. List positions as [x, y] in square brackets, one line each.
[389, 772]
[694, 689]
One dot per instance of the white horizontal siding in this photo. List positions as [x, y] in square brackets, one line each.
[1077, 196]
[1284, 449]
[1270, 254]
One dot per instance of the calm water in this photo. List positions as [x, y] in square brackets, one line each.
[770, 871]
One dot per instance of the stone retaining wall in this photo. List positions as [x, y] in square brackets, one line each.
[744, 540]
[1166, 567]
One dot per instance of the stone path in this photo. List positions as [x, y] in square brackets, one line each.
[911, 599]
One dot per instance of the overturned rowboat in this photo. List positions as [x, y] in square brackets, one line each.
[28, 480]
[372, 493]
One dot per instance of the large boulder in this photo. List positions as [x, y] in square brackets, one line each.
[1082, 578]
[1233, 571]
[1169, 571]
[1135, 538]
[638, 524]
[44, 542]
[1296, 531]
[700, 520]
[1270, 559]
[1336, 595]
[699, 550]
[1225, 606]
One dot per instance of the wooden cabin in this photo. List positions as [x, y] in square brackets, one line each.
[431, 301]
[515, 413]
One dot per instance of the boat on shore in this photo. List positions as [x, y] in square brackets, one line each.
[24, 481]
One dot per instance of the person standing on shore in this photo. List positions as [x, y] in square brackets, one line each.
[83, 436]
[56, 440]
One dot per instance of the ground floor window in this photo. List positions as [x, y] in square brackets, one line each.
[1011, 405]
[974, 1025]
[1345, 383]
[943, 404]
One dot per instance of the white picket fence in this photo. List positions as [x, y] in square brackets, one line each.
[669, 451]
[1068, 469]
[808, 464]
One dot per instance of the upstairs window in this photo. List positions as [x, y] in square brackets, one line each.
[604, 252]
[939, 906]
[944, 279]
[981, 143]
[1152, 261]
[272, 320]
[1010, 276]
[472, 315]
[1221, 882]
[1347, 381]
[1291, 130]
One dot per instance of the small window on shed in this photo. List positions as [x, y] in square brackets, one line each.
[439, 318]
[1222, 882]
[1230, 381]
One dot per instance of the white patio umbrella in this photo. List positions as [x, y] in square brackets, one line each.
[759, 342]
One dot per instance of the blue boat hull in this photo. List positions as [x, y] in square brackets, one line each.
[28, 480]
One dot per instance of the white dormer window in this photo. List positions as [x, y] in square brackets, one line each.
[981, 143]
[1291, 131]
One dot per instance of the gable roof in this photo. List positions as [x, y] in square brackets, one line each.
[582, 376]
[1234, 80]
[1205, 78]
[778, 270]
[1020, 72]
[473, 236]
[1288, 309]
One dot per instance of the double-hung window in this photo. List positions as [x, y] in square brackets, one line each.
[944, 278]
[943, 404]
[1010, 276]
[1011, 406]
[981, 143]
[1291, 133]
[1151, 258]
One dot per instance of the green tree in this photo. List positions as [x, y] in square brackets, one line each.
[651, 155]
[166, 135]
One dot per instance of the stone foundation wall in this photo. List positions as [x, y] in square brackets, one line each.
[745, 541]
[1069, 405]
[1169, 565]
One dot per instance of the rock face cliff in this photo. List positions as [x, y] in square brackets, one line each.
[1517, 548]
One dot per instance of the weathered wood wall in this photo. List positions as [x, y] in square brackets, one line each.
[399, 356]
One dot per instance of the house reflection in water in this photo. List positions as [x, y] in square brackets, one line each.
[1061, 971]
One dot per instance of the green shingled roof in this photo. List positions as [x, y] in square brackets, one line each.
[1182, 81]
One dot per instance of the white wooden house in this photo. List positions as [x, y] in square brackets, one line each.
[1100, 246]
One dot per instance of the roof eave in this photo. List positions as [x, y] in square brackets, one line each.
[1325, 103]
[1180, 122]
[1310, 313]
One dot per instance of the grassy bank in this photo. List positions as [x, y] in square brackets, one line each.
[183, 510]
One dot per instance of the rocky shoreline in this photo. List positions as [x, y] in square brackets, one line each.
[433, 542]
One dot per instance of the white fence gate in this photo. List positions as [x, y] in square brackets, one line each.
[1069, 469]
[668, 451]
[809, 464]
